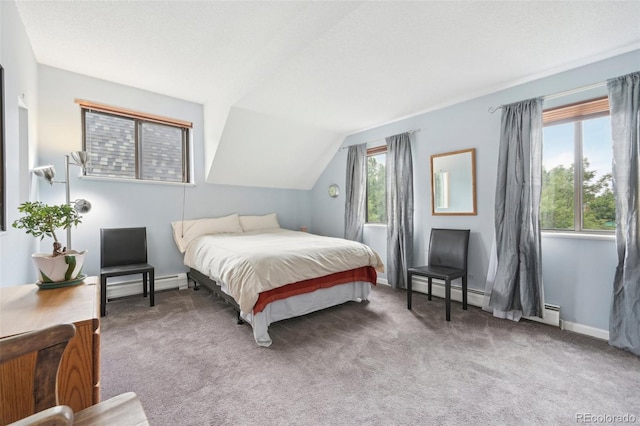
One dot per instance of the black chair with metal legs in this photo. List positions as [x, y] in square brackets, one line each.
[448, 251]
[123, 251]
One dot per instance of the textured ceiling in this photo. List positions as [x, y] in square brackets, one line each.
[297, 77]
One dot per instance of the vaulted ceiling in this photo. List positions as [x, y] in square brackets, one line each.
[283, 83]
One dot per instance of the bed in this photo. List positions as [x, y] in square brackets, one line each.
[269, 273]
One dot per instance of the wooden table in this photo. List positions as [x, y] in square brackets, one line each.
[24, 308]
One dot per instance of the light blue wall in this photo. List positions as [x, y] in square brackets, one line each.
[577, 273]
[128, 204]
[20, 98]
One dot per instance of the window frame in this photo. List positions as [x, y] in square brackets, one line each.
[377, 150]
[576, 113]
[139, 119]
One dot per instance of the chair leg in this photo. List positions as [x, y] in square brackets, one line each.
[152, 288]
[464, 292]
[144, 284]
[409, 290]
[103, 295]
[447, 289]
[429, 281]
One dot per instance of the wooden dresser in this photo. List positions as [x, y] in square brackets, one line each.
[24, 308]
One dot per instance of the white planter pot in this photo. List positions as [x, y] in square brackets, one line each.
[59, 268]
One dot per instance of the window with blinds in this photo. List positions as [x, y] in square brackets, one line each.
[126, 144]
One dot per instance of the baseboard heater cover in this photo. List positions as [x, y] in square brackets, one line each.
[130, 288]
[475, 297]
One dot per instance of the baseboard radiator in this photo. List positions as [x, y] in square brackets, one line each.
[551, 314]
[130, 288]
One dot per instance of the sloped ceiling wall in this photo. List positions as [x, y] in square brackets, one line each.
[257, 149]
[282, 83]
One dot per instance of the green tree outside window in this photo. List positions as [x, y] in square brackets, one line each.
[376, 191]
[558, 194]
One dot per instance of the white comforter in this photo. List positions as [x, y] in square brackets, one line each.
[252, 262]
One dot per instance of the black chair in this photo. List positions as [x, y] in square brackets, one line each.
[448, 250]
[123, 251]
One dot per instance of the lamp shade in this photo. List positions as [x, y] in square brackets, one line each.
[81, 158]
[82, 206]
[47, 172]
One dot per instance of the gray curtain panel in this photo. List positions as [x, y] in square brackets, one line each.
[399, 177]
[624, 320]
[518, 280]
[355, 213]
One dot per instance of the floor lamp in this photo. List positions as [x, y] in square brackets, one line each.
[80, 159]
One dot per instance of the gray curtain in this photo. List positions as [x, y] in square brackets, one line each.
[355, 213]
[624, 320]
[399, 178]
[518, 280]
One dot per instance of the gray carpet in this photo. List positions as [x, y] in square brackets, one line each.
[360, 363]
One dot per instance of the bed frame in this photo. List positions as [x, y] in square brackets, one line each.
[279, 311]
[199, 278]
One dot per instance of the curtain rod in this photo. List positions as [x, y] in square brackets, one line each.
[561, 94]
[375, 140]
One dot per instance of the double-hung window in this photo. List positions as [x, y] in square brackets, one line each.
[577, 158]
[376, 185]
[127, 144]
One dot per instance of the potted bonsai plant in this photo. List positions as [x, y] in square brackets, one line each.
[40, 220]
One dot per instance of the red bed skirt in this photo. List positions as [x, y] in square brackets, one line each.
[365, 273]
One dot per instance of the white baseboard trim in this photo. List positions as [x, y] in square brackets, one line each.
[130, 288]
[584, 329]
[550, 315]
[476, 298]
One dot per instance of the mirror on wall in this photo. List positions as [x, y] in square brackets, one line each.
[453, 183]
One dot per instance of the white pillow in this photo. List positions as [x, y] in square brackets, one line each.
[184, 231]
[258, 223]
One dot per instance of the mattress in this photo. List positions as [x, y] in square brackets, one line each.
[250, 263]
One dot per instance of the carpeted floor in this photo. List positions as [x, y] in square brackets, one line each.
[371, 363]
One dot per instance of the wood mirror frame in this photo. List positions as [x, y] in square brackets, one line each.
[453, 183]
